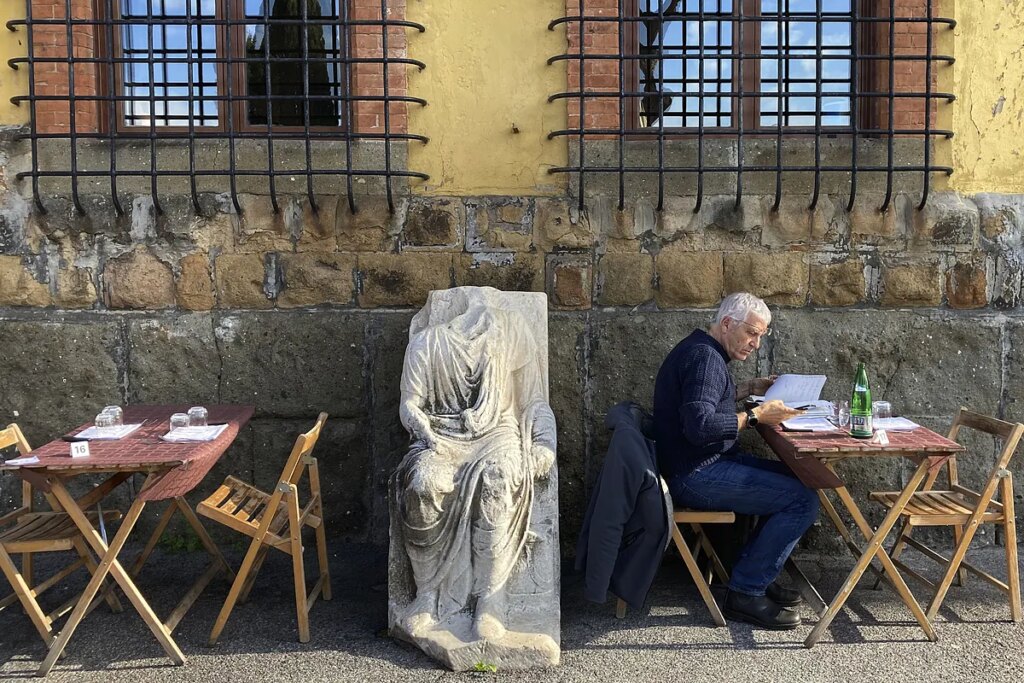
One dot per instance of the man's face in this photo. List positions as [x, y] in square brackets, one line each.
[743, 337]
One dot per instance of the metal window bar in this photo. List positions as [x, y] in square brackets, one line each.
[158, 77]
[845, 106]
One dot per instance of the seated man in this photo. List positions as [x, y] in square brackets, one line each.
[697, 427]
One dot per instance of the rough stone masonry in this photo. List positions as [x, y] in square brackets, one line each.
[300, 311]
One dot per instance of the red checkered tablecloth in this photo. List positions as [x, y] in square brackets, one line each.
[179, 466]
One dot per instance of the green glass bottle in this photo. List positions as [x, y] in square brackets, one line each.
[860, 405]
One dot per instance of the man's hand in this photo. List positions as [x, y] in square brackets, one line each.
[759, 385]
[774, 412]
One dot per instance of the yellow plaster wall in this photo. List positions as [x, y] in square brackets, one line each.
[487, 70]
[12, 44]
[988, 79]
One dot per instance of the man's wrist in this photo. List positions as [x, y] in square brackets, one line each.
[752, 418]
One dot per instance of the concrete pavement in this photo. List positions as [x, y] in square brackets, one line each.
[673, 639]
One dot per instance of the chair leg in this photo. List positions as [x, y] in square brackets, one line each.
[620, 608]
[1010, 529]
[298, 569]
[955, 560]
[709, 550]
[28, 568]
[243, 597]
[24, 593]
[958, 534]
[691, 565]
[236, 589]
[321, 536]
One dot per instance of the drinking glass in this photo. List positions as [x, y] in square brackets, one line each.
[117, 413]
[197, 416]
[104, 421]
[179, 420]
[881, 410]
[841, 413]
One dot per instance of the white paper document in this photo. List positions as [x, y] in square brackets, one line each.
[808, 424]
[27, 460]
[798, 391]
[107, 433]
[895, 424]
[185, 434]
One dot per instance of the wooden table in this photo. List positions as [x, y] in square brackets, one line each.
[171, 469]
[812, 457]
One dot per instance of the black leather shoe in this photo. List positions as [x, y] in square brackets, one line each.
[760, 610]
[780, 595]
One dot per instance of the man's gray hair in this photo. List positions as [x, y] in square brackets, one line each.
[741, 304]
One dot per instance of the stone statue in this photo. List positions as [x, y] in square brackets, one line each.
[474, 502]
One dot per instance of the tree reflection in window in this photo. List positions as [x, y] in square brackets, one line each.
[289, 97]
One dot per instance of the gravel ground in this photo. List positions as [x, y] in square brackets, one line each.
[673, 639]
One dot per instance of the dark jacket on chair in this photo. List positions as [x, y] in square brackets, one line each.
[626, 529]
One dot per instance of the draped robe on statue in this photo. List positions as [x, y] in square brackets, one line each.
[465, 501]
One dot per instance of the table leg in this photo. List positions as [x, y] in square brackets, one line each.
[154, 538]
[840, 525]
[874, 549]
[107, 564]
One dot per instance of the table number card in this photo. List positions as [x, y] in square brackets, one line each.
[80, 449]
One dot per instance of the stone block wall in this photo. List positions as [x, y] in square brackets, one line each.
[302, 311]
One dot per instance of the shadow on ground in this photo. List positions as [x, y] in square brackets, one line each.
[672, 638]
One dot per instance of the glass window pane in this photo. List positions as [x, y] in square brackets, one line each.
[291, 89]
[795, 57]
[156, 71]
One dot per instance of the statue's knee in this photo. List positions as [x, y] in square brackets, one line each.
[432, 477]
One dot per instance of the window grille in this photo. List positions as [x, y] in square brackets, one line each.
[756, 73]
[288, 74]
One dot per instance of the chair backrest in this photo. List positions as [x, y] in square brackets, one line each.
[11, 436]
[303, 447]
[1009, 432]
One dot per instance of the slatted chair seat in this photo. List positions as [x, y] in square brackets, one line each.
[240, 506]
[275, 520]
[941, 508]
[964, 510]
[48, 531]
[26, 532]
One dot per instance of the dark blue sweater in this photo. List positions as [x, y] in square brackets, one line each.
[694, 406]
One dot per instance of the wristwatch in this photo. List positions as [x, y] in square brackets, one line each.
[751, 418]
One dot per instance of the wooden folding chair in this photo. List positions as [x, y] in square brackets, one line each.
[27, 532]
[695, 518]
[275, 521]
[964, 510]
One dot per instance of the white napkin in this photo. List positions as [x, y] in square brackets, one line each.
[27, 460]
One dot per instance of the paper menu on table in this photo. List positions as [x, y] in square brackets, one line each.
[797, 391]
[895, 424]
[107, 433]
[185, 434]
[808, 424]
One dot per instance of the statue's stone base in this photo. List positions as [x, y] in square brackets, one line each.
[453, 644]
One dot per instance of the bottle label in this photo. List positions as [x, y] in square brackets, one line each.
[861, 424]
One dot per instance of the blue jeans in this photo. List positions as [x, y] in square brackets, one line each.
[751, 486]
